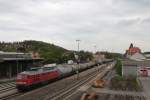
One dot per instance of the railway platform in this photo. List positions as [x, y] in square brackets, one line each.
[5, 80]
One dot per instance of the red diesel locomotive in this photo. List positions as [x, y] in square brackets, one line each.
[35, 76]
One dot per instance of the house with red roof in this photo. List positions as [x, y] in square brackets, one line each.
[134, 53]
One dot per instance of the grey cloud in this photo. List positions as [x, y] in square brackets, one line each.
[129, 22]
[134, 3]
[95, 22]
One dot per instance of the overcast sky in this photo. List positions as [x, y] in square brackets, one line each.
[109, 24]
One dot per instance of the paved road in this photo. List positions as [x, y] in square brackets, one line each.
[146, 86]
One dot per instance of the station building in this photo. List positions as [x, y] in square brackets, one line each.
[12, 63]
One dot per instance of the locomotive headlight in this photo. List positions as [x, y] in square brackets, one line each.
[19, 76]
[21, 82]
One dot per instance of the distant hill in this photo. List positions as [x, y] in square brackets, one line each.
[50, 52]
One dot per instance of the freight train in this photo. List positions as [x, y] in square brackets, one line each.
[40, 75]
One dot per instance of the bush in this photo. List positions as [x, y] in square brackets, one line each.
[125, 83]
[118, 67]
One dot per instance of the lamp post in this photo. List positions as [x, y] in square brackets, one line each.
[95, 48]
[78, 42]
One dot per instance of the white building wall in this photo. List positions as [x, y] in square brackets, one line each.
[130, 71]
[137, 57]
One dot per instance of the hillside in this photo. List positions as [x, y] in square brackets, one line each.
[50, 52]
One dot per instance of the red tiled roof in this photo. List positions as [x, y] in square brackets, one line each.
[133, 50]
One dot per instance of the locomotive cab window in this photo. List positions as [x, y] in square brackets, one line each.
[48, 68]
[34, 69]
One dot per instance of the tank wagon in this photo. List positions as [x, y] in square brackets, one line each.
[39, 75]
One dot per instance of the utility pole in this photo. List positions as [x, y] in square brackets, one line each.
[78, 42]
[95, 48]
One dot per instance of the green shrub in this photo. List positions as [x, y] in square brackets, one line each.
[125, 83]
[118, 67]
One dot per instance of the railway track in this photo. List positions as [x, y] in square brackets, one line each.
[7, 90]
[7, 87]
[14, 93]
[63, 91]
[69, 90]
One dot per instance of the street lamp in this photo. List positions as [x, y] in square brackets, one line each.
[78, 42]
[95, 48]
